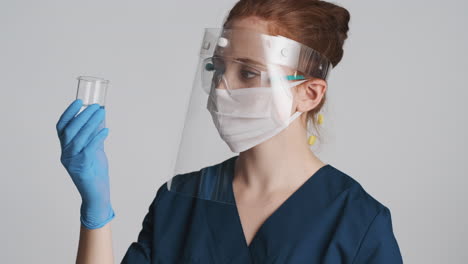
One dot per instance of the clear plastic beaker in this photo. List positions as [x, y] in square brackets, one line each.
[92, 90]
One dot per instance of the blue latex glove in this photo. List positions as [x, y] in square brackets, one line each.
[84, 159]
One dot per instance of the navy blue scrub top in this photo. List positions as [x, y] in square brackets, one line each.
[329, 219]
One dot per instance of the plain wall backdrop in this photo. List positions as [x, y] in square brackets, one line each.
[396, 116]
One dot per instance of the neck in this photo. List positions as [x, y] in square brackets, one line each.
[281, 163]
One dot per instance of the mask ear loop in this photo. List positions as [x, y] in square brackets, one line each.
[312, 138]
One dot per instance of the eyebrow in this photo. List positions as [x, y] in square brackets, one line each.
[250, 61]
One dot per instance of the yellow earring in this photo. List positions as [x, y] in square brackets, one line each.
[313, 138]
[320, 119]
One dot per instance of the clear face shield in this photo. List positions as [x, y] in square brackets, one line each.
[242, 97]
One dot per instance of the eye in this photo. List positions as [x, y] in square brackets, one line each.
[246, 74]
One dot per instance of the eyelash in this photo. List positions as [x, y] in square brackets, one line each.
[248, 72]
[245, 74]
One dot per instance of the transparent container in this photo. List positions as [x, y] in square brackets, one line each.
[92, 90]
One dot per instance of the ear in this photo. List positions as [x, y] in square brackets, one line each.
[309, 94]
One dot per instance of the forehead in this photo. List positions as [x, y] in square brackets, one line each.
[245, 39]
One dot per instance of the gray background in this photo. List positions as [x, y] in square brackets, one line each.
[396, 115]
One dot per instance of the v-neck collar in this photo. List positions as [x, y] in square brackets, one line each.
[294, 211]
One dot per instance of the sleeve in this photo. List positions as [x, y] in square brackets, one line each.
[140, 251]
[379, 245]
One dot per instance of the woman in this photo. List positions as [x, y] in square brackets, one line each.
[275, 202]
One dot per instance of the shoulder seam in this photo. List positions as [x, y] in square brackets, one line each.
[365, 233]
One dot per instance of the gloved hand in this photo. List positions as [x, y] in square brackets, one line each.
[84, 159]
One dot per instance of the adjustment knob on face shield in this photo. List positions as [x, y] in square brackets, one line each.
[209, 66]
[222, 42]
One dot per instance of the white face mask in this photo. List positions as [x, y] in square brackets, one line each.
[244, 118]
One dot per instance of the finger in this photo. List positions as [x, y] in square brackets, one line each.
[77, 123]
[97, 140]
[68, 115]
[100, 126]
[85, 133]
